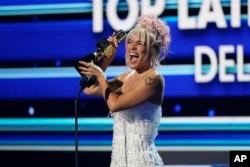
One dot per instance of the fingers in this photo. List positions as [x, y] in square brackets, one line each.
[83, 63]
[85, 68]
[86, 64]
[113, 40]
[88, 68]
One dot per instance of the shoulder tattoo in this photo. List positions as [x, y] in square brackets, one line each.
[149, 81]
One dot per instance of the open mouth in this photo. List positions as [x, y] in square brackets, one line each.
[133, 57]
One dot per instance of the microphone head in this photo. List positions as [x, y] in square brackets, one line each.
[87, 81]
[84, 81]
[91, 80]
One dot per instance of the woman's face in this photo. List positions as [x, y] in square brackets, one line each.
[136, 53]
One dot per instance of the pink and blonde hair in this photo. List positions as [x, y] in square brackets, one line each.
[155, 33]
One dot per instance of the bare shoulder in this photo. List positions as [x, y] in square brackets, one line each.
[123, 76]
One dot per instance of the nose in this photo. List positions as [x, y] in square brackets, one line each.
[134, 46]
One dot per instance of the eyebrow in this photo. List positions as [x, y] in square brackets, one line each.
[136, 41]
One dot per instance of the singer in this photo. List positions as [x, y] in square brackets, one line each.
[135, 97]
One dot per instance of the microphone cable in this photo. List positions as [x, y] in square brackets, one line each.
[83, 84]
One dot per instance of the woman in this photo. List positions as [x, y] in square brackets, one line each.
[134, 98]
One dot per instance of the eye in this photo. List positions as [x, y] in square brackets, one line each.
[129, 41]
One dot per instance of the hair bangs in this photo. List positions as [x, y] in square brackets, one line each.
[139, 32]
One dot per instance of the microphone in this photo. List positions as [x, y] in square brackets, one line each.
[104, 50]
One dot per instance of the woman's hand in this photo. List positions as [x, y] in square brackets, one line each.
[110, 51]
[91, 69]
[113, 40]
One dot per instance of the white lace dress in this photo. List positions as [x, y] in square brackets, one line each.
[134, 133]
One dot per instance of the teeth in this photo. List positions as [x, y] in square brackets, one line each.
[134, 56]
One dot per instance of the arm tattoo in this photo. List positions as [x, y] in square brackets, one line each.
[115, 84]
[149, 81]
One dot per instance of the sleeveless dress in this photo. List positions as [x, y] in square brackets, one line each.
[134, 133]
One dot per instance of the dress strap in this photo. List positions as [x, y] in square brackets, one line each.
[131, 73]
[110, 114]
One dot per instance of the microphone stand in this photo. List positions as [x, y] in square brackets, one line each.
[83, 84]
[104, 47]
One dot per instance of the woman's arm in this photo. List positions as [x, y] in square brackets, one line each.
[109, 56]
[150, 88]
[114, 85]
